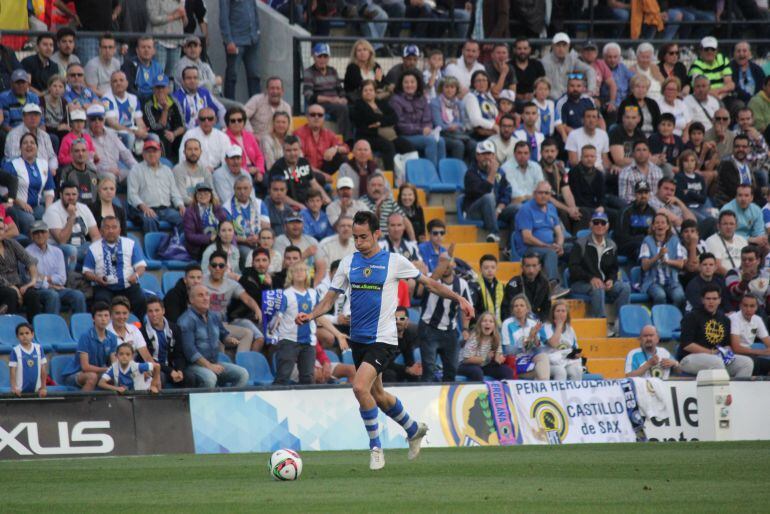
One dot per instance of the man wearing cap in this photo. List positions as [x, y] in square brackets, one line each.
[226, 174]
[152, 192]
[81, 172]
[114, 158]
[77, 126]
[142, 69]
[410, 57]
[560, 61]
[715, 66]
[214, 143]
[13, 100]
[123, 111]
[39, 65]
[192, 98]
[76, 93]
[99, 70]
[31, 115]
[261, 108]
[164, 118]
[635, 221]
[239, 26]
[345, 204]
[193, 50]
[293, 235]
[52, 274]
[468, 64]
[487, 191]
[321, 85]
[593, 268]
[72, 224]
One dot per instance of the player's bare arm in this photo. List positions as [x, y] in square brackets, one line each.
[320, 309]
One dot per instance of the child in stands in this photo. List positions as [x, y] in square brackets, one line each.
[28, 364]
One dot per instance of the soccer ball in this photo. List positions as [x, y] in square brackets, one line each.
[285, 464]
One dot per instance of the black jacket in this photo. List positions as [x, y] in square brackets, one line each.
[589, 194]
[537, 291]
[362, 115]
[728, 180]
[175, 359]
[176, 301]
[585, 262]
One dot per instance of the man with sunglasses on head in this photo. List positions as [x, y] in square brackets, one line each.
[574, 103]
[214, 143]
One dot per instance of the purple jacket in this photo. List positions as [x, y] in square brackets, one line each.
[413, 114]
[194, 239]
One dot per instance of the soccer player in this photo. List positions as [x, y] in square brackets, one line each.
[28, 364]
[128, 375]
[372, 275]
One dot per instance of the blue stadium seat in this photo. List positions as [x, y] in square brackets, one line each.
[152, 264]
[347, 357]
[632, 318]
[169, 280]
[592, 376]
[150, 285]
[133, 319]
[8, 324]
[461, 219]
[452, 172]
[257, 366]
[668, 320]
[635, 281]
[5, 349]
[224, 358]
[565, 283]
[52, 330]
[80, 323]
[422, 173]
[332, 355]
[56, 365]
[583, 233]
[152, 242]
[5, 377]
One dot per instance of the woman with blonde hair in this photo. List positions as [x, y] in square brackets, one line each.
[638, 89]
[645, 55]
[482, 354]
[362, 66]
[272, 143]
[564, 354]
[521, 337]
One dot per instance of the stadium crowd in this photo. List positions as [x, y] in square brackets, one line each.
[578, 164]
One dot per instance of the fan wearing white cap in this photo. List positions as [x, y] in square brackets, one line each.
[487, 191]
[213, 141]
[78, 131]
[560, 61]
[715, 66]
[346, 204]
[226, 175]
[31, 117]
[322, 85]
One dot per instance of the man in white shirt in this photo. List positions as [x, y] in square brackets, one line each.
[504, 141]
[726, 245]
[745, 328]
[589, 134]
[528, 131]
[649, 360]
[339, 245]
[700, 103]
[99, 70]
[124, 114]
[226, 175]
[466, 66]
[522, 174]
[214, 142]
[345, 204]
[248, 214]
[72, 225]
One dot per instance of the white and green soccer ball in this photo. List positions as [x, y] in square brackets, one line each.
[285, 464]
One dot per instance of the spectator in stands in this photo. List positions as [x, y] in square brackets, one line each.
[374, 121]
[201, 220]
[359, 167]
[593, 268]
[361, 66]
[293, 235]
[665, 202]
[641, 169]
[466, 66]
[707, 275]
[725, 244]
[291, 255]
[11, 230]
[176, 299]
[583, 191]
[192, 56]
[8, 64]
[124, 112]
[572, 105]
[705, 336]
[671, 103]
[527, 69]
[415, 121]
[759, 153]
[431, 250]
[487, 191]
[379, 200]
[126, 332]
[649, 360]
[213, 142]
[623, 136]
[620, 72]
[550, 117]
[520, 337]
[65, 50]
[77, 94]
[528, 132]
[35, 189]
[438, 322]
[409, 201]
[27, 363]
[488, 293]
[666, 146]
[670, 67]
[167, 17]
[635, 221]
[253, 160]
[533, 284]
[554, 171]
[662, 256]
[248, 214]
[189, 173]
[164, 343]
[202, 333]
[708, 157]
[340, 243]
[257, 277]
[114, 158]
[560, 62]
[715, 67]
[410, 59]
[346, 204]
[152, 192]
[115, 264]
[538, 230]
[750, 278]
[523, 176]
[449, 113]
[272, 144]
[720, 132]
[564, 355]
[589, 54]
[648, 108]
[225, 176]
[262, 108]
[225, 243]
[644, 66]
[104, 204]
[320, 145]
[498, 69]
[734, 172]
[504, 141]
[316, 223]
[165, 118]
[16, 294]
[31, 118]
[760, 106]
[395, 242]
[193, 98]
[56, 118]
[95, 352]
[745, 328]
[749, 215]
[239, 27]
[277, 204]
[589, 134]
[746, 74]
[701, 103]
[410, 370]
[482, 354]
[322, 86]
[690, 186]
[13, 100]
[72, 225]
[99, 70]
[78, 125]
[481, 107]
[39, 65]
[297, 173]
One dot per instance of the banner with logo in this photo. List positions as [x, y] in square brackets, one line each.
[271, 302]
[552, 412]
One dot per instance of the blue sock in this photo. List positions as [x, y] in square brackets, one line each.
[370, 422]
[400, 416]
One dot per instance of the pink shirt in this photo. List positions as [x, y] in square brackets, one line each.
[603, 73]
[252, 154]
[65, 157]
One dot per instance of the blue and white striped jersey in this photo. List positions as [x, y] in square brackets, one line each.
[115, 262]
[637, 357]
[373, 285]
[27, 366]
[292, 303]
[131, 377]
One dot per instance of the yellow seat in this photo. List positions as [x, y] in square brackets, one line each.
[472, 252]
[459, 233]
[608, 368]
[434, 212]
[507, 270]
[589, 327]
[297, 122]
[608, 347]
[577, 308]
[389, 176]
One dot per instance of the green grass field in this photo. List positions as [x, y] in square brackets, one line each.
[683, 477]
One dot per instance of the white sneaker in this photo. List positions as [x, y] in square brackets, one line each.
[493, 238]
[416, 441]
[376, 459]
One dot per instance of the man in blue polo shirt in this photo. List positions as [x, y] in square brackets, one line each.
[95, 353]
[13, 100]
[433, 247]
[538, 230]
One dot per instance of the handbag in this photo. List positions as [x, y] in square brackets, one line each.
[171, 247]
[388, 133]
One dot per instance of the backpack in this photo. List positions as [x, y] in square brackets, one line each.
[171, 247]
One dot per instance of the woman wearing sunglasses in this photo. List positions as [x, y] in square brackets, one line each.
[670, 67]
[253, 161]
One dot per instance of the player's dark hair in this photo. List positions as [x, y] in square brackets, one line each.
[67, 185]
[47, 35]
[520, 144]
[24, 325]
[125, 345]
[368, 218]
[260, 251]
[314, 193]
[696, 126]
[666, 180]
[641, 142]
[688, 224]
[401, 308]
[710, 288]
[487, 257]
[64, 32]
[435, 223]
[531, 255]
[706, 255]
[99, 307]
[742, 137]
[667, 116]
[549, 141]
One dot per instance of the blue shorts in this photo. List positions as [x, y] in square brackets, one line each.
[71, 380]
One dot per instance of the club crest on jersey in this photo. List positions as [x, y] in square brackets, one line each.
[31, 363]
[305, 306]
[367, 272]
